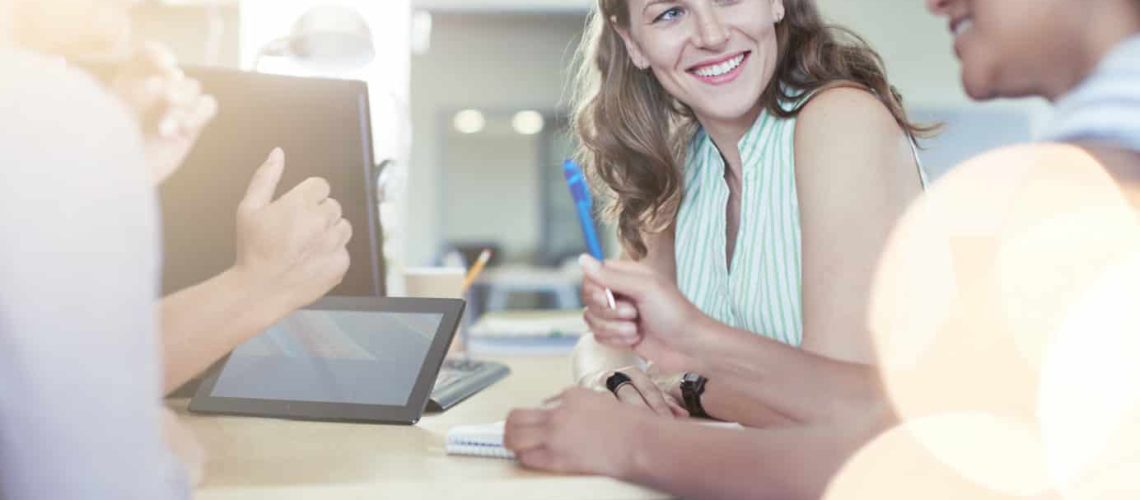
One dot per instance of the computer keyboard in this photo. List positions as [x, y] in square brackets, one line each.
[460, 379]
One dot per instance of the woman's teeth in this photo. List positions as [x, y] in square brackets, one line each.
[720, 69]
[963, 26]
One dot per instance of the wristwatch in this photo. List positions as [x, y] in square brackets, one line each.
[692, 387]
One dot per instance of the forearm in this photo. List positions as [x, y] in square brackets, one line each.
[202, 323]
[723, 400]
[693, 461]
[758, 382]
[590, 358]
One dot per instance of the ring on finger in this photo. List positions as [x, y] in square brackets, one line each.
[622, 386]
[617, 381]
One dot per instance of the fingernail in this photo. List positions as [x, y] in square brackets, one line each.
[277, 155]
[588, 263]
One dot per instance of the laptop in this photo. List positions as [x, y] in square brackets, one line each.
[324, 126]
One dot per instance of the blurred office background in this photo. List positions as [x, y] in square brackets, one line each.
[469, 100]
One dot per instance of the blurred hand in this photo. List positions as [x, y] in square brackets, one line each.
[171, 109]
[292, 248]
[642, 392]
[585, 432]
[663, 322]
[182, 443]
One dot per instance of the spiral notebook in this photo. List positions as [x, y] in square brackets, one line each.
[478, 440]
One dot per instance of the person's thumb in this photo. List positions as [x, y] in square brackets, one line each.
[264, 183]
[623, 282]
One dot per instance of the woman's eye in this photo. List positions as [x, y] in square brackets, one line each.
[669, 15]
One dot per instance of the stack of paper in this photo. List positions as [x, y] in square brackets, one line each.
[518, 324]
[527, 332]
[478, 440]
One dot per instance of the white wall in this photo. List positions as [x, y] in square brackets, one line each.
[500, 63]
[492, 192]
[918, 50]
[504, 5]
[915, 44]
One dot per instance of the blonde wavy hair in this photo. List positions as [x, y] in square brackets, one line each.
[633, 135]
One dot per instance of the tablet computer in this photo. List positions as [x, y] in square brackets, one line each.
[360, 359]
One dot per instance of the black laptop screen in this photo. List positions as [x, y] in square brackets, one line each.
[323, 126]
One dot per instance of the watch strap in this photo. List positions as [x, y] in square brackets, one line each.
[692, 388]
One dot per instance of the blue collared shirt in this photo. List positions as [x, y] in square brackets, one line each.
[1105, 108]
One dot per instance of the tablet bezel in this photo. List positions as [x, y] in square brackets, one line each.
[410, 413]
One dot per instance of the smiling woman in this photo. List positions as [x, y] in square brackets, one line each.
[635, 124]
[755, 158]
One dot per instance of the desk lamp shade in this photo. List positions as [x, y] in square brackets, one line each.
[327, 37]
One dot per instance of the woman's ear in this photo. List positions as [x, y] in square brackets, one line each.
[631, 47]
[778, 10]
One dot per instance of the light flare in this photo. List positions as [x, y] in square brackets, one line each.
[982, 314]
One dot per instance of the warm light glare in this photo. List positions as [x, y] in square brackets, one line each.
[1090, 388]
[469, 121]
[961, 455]
[528, 122]
[1005, 313]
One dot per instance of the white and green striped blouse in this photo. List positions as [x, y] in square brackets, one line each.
[762, 292]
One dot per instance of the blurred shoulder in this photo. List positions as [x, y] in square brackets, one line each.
[32, 79]
[59, 124]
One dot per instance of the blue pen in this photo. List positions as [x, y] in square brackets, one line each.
[580, 191]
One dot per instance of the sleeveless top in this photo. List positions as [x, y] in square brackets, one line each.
[762, 291]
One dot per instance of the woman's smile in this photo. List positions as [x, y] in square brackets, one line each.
[722, 70]
[958, 28]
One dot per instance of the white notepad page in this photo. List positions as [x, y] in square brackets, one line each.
[478, 440]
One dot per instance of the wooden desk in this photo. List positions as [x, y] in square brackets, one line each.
[256, 458]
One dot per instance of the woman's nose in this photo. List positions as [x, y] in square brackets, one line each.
[711, 32]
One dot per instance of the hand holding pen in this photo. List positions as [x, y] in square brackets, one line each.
[616, 322]
[652, 316]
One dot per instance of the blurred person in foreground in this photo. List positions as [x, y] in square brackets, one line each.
[80, 372]
[1004, 311]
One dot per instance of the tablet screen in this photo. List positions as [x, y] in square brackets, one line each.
[337, 356]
